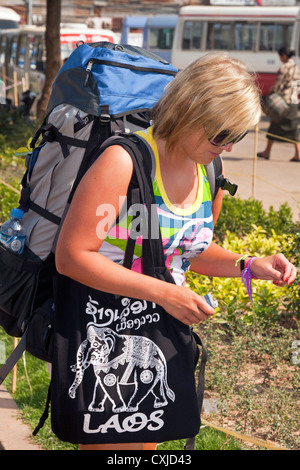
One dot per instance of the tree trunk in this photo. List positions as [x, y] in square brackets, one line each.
[53, 56]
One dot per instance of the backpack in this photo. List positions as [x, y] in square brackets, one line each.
[103, 89]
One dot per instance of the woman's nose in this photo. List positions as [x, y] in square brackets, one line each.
[227, 147]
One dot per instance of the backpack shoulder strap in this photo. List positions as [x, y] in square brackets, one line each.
[142, 181]
[213, 171]
[138, 149]
[216, 179]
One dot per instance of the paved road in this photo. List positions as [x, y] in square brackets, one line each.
[273, 181]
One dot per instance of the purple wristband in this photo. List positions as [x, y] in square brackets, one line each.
[247, 277]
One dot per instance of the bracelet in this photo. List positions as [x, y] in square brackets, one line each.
[247, 277]
[242, 260]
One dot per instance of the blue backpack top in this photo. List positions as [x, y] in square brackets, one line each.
[127, 79]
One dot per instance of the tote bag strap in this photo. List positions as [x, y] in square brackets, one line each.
[142, 195]
[153, 253]
[153, 258]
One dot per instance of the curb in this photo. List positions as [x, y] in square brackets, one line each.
[14, 433]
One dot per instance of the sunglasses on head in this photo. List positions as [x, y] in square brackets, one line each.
[218, 141]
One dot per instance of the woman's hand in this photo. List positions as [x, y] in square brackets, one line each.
[275, 268]
[185, 305]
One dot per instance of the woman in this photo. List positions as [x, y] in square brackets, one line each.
[206, 109]
[286, 86]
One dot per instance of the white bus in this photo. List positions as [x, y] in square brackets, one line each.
[133, 30]
[9, 18]
[154, 33]
[250, 33]
[23, 54]
[159, 34]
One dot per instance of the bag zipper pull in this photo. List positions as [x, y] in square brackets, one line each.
[88, 72]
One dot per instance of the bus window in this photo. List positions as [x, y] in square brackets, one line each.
[197, 33]
[35, 51]
[8, 24]
[192, 34]
[187, 35]
[220, 36]
[283, 35]
[3, 45]
[13, 50]
[245, 36]
[273, 36]
[21, 56]
[161, 38]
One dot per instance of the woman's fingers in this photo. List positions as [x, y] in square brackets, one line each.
[187, 306]
[275, 268]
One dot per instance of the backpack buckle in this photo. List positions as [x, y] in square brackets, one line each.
[49, 133]
[225, 184]
[104, 116]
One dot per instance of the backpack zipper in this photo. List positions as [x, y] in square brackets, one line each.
[88, 72]
[125, 66]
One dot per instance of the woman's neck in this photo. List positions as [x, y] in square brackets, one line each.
[176, 157]
[179, 175]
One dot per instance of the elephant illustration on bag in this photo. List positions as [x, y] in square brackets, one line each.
[132, 364]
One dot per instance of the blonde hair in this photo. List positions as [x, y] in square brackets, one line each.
[215, 92]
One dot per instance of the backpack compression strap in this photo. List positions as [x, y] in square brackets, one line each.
[214, 173]
[51, 134]
[213, 170]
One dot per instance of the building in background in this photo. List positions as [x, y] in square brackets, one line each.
[111, 13]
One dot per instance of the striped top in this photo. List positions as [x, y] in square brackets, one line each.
[186, 232]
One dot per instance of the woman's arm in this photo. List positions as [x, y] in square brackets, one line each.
[218, 262]
[92, 213]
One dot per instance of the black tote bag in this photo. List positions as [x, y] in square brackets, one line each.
[123, 369]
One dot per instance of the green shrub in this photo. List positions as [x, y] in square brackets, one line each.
[269, 301]
[238, 216]
[15, 130]
[8, 199]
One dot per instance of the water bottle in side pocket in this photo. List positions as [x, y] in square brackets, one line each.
[13, 233]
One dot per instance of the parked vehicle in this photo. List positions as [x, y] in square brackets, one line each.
[23, 54]
[9, 18]
[252, 34]
[154, 33]
[133, 30]
[159, 34]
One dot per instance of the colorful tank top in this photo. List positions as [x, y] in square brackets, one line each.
[186, 232]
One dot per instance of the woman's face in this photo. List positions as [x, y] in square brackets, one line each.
[283, 58]
[197, 147]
